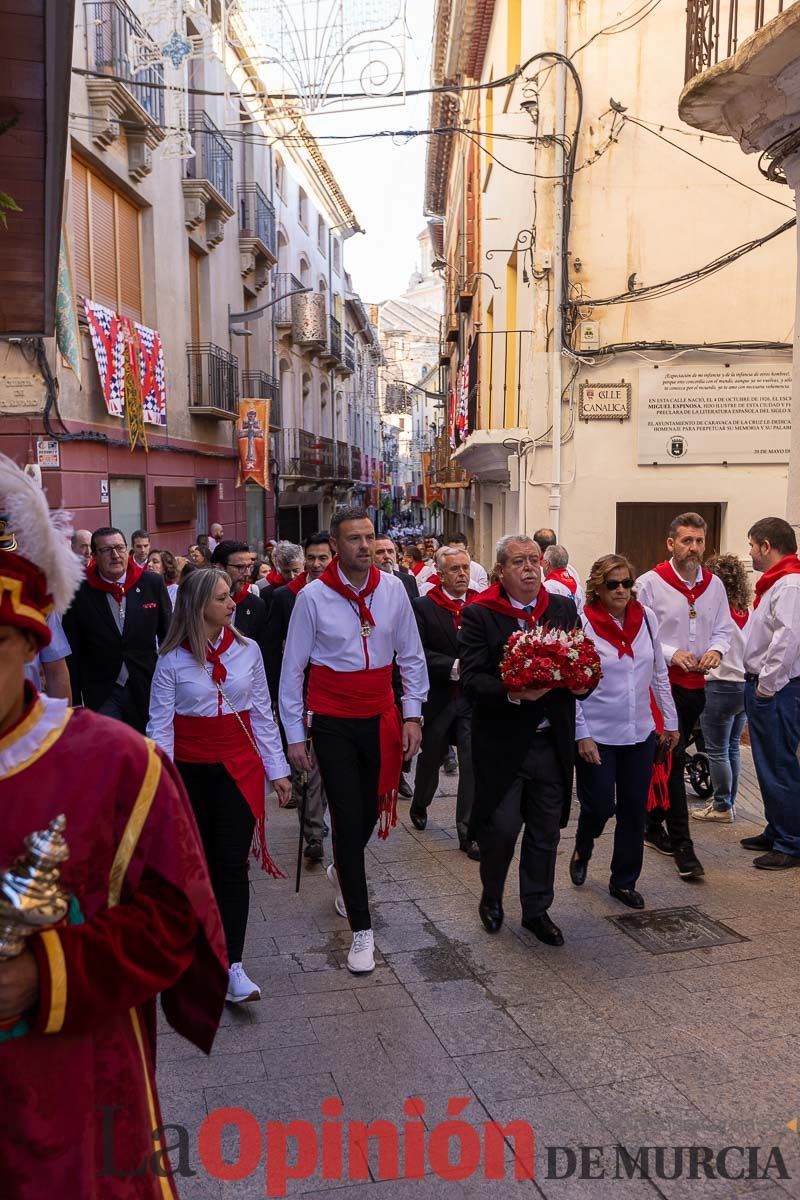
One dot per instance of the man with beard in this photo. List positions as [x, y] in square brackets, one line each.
[695, 628]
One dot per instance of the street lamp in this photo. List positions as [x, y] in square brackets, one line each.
[255, 314]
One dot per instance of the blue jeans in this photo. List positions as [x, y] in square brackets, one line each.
[775, 737]
[722, 723]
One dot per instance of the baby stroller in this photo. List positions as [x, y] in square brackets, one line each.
[698, 771]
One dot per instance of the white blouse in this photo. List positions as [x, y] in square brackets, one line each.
[617, 713]
[181, 685]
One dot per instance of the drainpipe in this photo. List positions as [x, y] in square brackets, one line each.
[556, 380]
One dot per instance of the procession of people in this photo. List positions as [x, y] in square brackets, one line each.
[322, 680]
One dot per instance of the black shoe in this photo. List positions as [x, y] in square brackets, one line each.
[451, 765]
[491, 913]
[405, 788]
[687, 862]
[544, 929]
[628, 896]
[761, 842]
[313, 852]
[419, 819]
[471, 849]
[577, 869]
[775, 860]
[658, 839]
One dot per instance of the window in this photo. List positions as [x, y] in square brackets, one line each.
[302, 208]
[337, 256]
[127, 505]
[280, 177]
[322, 237]
[106, 243]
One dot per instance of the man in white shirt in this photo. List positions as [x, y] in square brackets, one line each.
[545, 538]
[215, 536]
[772, 691]
[478, 579]
[349, 625]
[558, 579]
[696, 628]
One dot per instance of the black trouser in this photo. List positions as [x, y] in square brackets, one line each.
[535, 801]
[226, 827]
[349, 755]
[626, 772]
[689, 703]
[451, 726]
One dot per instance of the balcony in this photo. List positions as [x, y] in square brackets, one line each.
[213, 381]
[257, 241]
[285, 282]
[334, 340]
[258, 385]
[306, 456]
[349, 358]
[355, 462]
[208, 180]
[343, 470]
[130, 99]
[714, 28]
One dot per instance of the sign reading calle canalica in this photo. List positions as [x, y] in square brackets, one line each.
[604, 401]
[715, 414]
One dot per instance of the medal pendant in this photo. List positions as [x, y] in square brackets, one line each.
[692, 612]
[366, 630]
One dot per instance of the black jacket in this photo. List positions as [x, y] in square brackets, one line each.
[409, 583]
[502, 732]
[280, 611]
[250, 619]
[437, 629]
[99, 649]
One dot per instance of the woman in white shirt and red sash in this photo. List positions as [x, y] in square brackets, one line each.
[616, 726]
[350, 625]
[210, 711]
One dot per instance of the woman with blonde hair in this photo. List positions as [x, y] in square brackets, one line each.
[723, 717]
[210, 711]
[616, 725]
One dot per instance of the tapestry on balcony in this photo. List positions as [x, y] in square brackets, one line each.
[108, 342]
[252, 432]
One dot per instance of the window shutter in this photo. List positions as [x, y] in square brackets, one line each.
[104, 250]
[130, 284]
[79, 211]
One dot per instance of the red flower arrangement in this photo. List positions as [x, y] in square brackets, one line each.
[550, 658]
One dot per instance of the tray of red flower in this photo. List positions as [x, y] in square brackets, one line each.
[550, 658]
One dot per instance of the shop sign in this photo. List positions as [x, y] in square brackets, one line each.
[48, 453]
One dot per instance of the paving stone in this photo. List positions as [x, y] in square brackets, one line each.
[510, 1074]
[450, 996]
[585, 1061]
[392, 996]
[486, 1029]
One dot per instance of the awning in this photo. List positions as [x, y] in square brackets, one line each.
[485, 453]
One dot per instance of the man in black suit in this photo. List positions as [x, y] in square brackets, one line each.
[287, 561]
[523, 743]
[114, 623]
[386, 560]
[250, 617]
[446, 712]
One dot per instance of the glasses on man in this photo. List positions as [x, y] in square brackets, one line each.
[613, 584]
[109, 550]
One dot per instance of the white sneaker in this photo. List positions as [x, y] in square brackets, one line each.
[338, 902]
[240, 987]
[360, 960]
[709, 813]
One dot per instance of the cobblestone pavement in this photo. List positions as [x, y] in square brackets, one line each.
[595, 1044]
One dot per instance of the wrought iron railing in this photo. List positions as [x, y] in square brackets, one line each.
[114, 37]
[349, 351]
[260, 386]
[335, 338]
[304, 455]
[256, 215]
[213, 156]
[715, 28]
[343, 465]
[213, 378]
[285, 282]
[355, 461]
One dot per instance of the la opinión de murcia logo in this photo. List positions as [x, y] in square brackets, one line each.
[233, 1145]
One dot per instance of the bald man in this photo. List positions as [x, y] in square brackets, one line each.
[82, 545]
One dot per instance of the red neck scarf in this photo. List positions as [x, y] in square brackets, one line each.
[740, 616]
[433, 580]
[667, 572]
[455, 607]
[121, 587]
[417, 567]
[298, 583]
[242, 594]
[789, 565]
[607, 628]
[330, 577]
[562, 575]
[275, 578]
[495, 599]
[219, 672]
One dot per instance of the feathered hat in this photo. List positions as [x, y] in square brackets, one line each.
[39, 573]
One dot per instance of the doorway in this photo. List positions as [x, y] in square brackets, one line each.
[127, 505]
[642, 530]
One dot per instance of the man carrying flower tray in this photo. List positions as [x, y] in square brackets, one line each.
[523, 727]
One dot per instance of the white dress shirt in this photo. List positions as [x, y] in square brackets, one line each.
[711, 629]
[478, 579]
[556, 588]
[618, 713]
[181, 685]
[325, 629]
[772, 649]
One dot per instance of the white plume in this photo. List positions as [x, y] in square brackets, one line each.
[43, 537]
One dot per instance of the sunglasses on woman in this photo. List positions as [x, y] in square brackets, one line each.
[613, 584]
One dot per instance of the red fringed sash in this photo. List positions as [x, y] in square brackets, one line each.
[658, 796]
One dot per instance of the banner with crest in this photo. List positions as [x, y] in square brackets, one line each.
[252, 438]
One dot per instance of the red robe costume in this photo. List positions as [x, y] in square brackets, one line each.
[77, 1073]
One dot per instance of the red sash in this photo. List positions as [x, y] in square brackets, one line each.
[241, 595]
[789, 565]
[667, 572]
[298, 583]
[494, 599]
[438, 596]
[222, 740]
[275, 578]
[562, 575]
[740, 616]
[658, 794]
[358, 695]
[121, 587]
[606, 627]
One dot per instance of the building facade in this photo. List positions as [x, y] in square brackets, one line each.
[612, 354]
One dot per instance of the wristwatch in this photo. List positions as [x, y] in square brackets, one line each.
[416, 720]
